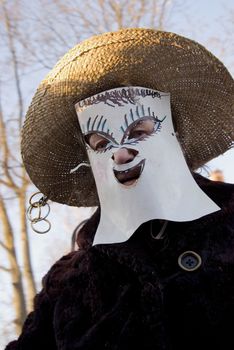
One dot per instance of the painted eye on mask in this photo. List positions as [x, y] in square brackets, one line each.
[141, 129]
[98, 136]
[99, 141]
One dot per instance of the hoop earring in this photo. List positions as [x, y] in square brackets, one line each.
[35, 217]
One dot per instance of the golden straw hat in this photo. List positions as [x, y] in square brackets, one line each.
[201, 88]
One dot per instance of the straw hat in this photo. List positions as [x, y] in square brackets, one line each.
[202, 102]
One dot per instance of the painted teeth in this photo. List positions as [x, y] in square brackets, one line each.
[140, 166]
[125, 171]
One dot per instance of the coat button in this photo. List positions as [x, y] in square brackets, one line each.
[189, 261]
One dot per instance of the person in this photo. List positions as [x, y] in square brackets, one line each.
[122, 122]
[217, 175]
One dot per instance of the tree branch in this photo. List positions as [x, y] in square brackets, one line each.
[4, 246]
[5, 269]
[12, 49]
[6, 152]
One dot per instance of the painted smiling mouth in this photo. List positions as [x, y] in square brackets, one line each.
[129, 176]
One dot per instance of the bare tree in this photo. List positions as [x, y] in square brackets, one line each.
[34, 36]
[14, 182]
[62, 24]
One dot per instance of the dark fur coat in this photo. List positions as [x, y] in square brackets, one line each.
[134, 295]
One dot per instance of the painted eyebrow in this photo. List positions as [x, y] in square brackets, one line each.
[136, 115]
[95, 125]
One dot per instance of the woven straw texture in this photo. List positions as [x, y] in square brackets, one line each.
[202, 101]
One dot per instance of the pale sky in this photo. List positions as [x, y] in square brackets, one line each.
[202, 20]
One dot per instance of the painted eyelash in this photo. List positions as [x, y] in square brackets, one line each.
[159, 126]
[111, 145]
[98, 124]
[139, 113]
[126, 132]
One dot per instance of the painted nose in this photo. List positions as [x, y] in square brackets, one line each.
[124, 155]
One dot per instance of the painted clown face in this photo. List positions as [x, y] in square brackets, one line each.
[137, 162]
[138, 125]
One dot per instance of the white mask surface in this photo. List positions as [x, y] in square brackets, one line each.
[137, 162]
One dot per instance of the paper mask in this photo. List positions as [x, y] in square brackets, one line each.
[137, 162]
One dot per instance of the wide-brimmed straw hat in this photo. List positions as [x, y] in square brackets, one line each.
[202, 103]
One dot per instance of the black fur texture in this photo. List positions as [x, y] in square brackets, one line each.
[134, 295]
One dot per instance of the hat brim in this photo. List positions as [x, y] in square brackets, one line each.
[201, 91]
